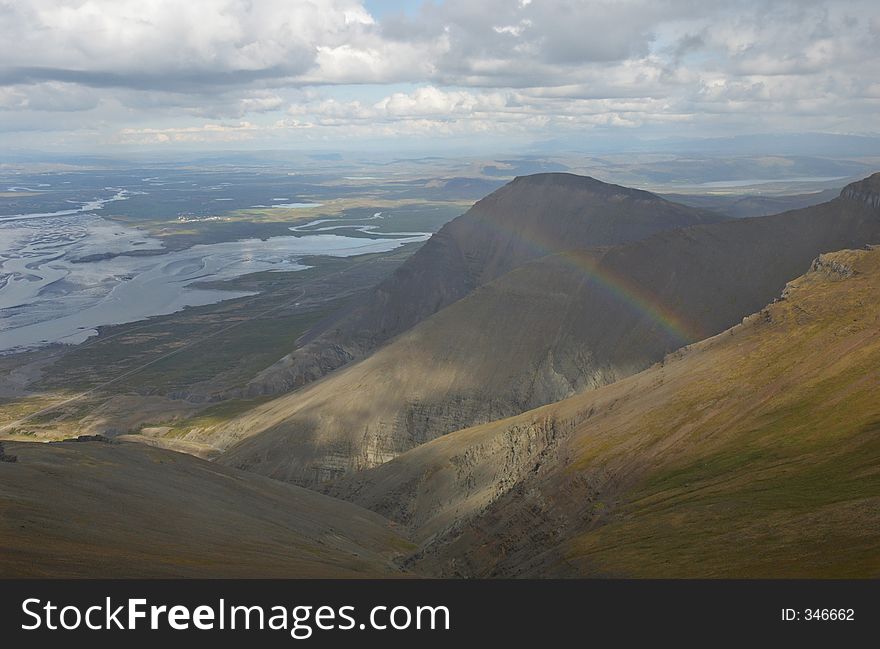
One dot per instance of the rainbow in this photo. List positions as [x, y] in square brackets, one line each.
[619, 288]
[625, 291]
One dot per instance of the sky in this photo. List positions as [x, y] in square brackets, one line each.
[108, 75]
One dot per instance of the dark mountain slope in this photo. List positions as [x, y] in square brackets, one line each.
[530, 217]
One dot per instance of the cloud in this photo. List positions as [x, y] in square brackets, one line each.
[432, 111]
[47, 96]
[151, 44]
[191, 134]
[153, 68]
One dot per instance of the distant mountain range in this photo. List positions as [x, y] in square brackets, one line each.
[738, 206]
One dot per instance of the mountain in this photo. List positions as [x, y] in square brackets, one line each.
[132, 511]
[530, 217]
[540, 333]
[754, 453]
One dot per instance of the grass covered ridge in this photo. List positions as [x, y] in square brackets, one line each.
[766, 461]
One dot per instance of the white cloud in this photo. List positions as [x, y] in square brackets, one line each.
[496, 66]
[167, 43]
[190, 134]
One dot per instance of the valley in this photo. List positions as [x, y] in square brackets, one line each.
[637, 386]
[558, 325]
[437, 322]
[732, 444]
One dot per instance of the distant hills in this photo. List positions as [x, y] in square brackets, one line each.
[542, 331]
[738, 206]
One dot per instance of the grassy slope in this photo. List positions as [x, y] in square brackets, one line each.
[93, 509]
[753, 454]
[775, 466]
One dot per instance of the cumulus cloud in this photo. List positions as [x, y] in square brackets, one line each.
[162, 43]
[451, 68]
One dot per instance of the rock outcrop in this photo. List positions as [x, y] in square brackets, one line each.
[865, 191]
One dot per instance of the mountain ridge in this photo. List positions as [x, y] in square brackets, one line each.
[540, 333]
[529, 217]
[728, 459]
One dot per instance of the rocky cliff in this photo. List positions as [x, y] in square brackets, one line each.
[865, 191]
